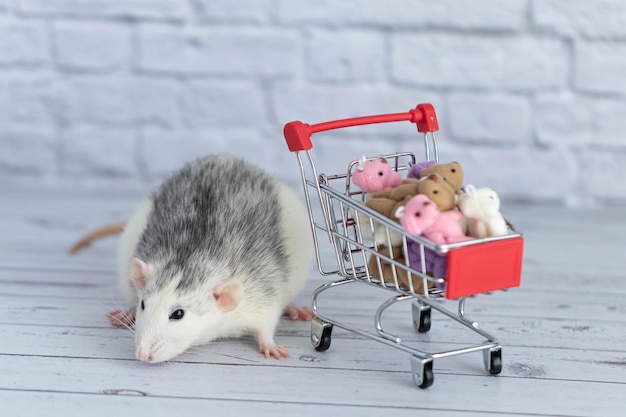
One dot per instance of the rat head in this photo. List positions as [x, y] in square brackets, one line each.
[172, 316]
[417, 215]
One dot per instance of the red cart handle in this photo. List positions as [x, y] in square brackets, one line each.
[298, 134]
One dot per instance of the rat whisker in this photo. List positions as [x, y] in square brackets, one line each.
[121, 318]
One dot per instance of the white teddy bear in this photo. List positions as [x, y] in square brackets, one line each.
[482, 207]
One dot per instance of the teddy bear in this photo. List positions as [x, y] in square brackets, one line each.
[420, 216]
[375, 175]
[482, 207]
[433, 186]
[386, 202]
[386, 268]
[451, 172]
[435, 265]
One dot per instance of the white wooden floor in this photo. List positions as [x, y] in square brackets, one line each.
[563, 331]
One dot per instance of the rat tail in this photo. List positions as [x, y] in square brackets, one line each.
[109, 229]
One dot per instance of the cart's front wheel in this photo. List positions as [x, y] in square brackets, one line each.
[423, 375]
[320, 334]
[421, 317]
[493, 360]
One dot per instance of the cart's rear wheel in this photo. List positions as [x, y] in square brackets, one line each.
[493, 360]
[423, 375]
[320, 334]
[421, 317]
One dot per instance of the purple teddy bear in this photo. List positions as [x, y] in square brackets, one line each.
[415, 170]
[433, 262]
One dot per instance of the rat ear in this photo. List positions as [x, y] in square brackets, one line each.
[138, 272]
[228, 295]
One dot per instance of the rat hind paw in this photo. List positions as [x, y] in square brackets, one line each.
[269, 350]
[296, 312]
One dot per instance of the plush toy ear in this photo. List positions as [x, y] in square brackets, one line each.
[399, 212]
[470, 190]
[138, 272]
[361, 164]
[228, 295]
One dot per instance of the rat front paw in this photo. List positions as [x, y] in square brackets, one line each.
[269, 350]
[122, 319]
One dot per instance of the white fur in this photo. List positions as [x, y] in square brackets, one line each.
[128, 242]
[298, 240]
[159, 339]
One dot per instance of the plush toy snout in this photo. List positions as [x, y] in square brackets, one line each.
[417, 215]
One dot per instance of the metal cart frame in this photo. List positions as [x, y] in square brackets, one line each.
[336, 210]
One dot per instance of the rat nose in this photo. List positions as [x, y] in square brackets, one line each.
[144, 355]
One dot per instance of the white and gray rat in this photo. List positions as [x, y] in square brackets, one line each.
[220, 249]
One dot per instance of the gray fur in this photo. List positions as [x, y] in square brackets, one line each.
[218, 212]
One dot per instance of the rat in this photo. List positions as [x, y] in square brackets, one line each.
[220, 249]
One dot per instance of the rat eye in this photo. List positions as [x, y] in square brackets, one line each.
[143, 306]
[177, 315]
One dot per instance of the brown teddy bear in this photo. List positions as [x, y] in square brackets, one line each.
[452, 173]
[387, 269]
[386, 202]
[433, 186]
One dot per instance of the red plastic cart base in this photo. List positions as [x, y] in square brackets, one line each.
[483, 268]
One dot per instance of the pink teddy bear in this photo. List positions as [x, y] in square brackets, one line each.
[420, 216]
[375, 175]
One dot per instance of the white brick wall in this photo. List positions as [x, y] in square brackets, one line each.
[22, 43]
[161, 10]
[91, 46]
[531, 94]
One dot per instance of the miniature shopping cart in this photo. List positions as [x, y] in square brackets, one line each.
[337, 212]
